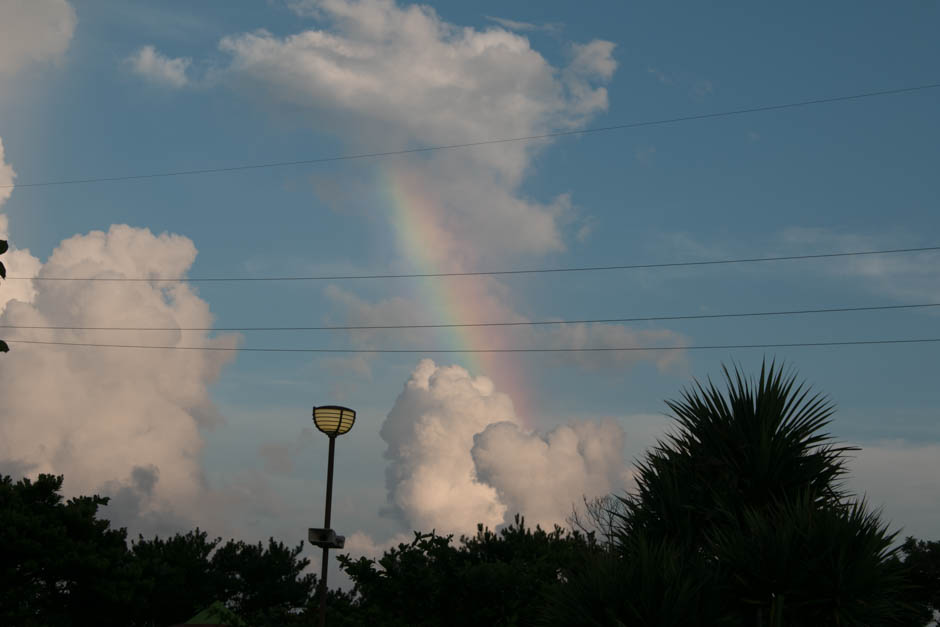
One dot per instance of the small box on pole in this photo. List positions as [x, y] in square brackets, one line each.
[325, 538]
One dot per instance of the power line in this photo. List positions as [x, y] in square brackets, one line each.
[363, 327]
[487, 142]
[484, 350]
[351, 277]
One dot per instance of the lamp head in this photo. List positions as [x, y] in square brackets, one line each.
[333, 420]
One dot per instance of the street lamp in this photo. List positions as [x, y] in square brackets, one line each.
[332, 420]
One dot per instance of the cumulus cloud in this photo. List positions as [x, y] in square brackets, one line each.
[400, 75]
[361, 544]
[458, 456]
[543, 477]
[431, 476]
[118, 421]
[154, 66]
[33, 31]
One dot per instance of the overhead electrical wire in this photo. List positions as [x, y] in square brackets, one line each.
[606, 349]
[364, 327]
[352, 277]
[486, 142]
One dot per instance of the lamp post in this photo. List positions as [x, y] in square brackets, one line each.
[332, 420]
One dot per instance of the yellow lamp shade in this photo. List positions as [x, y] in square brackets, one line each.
[333, 419]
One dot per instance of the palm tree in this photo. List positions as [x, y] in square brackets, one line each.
[747, 491]
[757, 444]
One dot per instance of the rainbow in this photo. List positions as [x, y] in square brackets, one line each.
[416, 221]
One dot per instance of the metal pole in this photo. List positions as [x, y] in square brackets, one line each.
[326, 525]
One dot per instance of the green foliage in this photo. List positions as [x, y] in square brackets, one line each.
[218, 614]
[810, 565]
[758, 444]
[176, 578]
[922, 560]
[263, 585]
[747, 496]
[61, 564]
[660, 584]
[491, 578]
[182, 575]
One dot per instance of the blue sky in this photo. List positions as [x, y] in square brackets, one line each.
[216, 91]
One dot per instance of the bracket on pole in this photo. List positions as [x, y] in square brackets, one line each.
[325, 539]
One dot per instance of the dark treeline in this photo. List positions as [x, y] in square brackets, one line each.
[740, 518]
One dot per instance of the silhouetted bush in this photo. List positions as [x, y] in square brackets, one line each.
[491, 578]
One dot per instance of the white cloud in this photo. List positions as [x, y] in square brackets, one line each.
[361, 544]
[473, 217]
[33, 31]
[431, 477]
[593, 60]
[386, 76]
[545, 477]
[154, 66]
[119, 421]
[458, 457]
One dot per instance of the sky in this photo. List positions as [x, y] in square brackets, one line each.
[224, 439]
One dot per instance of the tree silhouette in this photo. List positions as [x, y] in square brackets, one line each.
[265, 585]
[922, 558]
[175, 578]
[491, 578]
[743, 507]
[61, 564]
